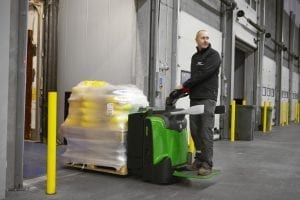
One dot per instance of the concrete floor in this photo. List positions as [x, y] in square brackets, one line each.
[35, 159]
[266, 168]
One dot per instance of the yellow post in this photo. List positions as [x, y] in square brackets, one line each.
[191, 145]
[265, 117]
[281, 113]
[51, 149]
[296, 112]
[287, 113]
[299, 112]
[295, 116]
[270, 125]
[244, 102]
[232, 130]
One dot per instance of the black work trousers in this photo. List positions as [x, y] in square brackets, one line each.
[202, 130]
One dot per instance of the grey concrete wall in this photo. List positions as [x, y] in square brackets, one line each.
[296, 40]
[4, 75]
[296, 44]
[285, 36]
[96, 41]
[200, 9]
[285, 60]
[270, 15]
[285, 32]
[269, 52]
[294, 6]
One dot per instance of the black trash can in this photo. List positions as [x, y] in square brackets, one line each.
[244, 122]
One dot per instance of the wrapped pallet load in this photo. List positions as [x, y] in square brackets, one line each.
[96, 125]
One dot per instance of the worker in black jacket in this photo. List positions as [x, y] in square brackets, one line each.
[203, 90]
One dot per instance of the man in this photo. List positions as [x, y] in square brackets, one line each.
[203, 87]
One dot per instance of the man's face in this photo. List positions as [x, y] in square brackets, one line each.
[202, 40]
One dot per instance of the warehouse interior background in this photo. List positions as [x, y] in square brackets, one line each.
[52, 45]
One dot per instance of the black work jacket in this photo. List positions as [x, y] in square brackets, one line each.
[205, 66]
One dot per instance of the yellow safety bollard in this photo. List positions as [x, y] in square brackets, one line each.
[283, 114]
[244, 102]
[270, 105]
[232, 130]
[280, 113]
[299, 112]
[191, 145]
[265, 117]
[287, 113]
[296, 115]
[51, 149]
[297, 108]
[295, 112]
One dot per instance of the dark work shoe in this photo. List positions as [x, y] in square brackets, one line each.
[205, 169]
[194, 166]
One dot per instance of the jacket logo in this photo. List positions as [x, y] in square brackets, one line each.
[200, 63]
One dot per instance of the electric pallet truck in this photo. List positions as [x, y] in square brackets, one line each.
[157, 142]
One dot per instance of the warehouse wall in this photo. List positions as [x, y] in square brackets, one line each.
[207, 11]
[4, 76]
[285, 36]
[268, 80]
[295, 89]
[297, 47]
[269, 63]
[96, 41]
[270, 13]
[291, 41]
[285, 82]
[294, 6]
[243, 30]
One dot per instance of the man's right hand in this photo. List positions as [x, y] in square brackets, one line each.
[179, 87]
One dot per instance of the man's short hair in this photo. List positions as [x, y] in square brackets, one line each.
[198, 33]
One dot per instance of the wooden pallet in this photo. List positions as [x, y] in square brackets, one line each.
[111, 170]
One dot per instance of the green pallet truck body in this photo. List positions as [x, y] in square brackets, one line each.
[157, 144]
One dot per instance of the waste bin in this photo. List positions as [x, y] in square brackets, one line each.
[244, 122]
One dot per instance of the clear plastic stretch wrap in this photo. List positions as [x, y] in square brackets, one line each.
[96, 125]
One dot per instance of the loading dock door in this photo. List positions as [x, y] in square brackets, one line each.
[244, 72]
